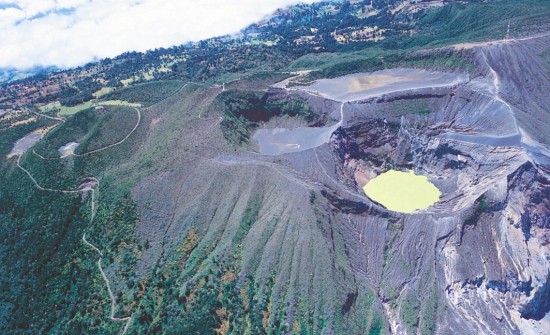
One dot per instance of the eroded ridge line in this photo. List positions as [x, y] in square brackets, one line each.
[497, 97]
[336, 183]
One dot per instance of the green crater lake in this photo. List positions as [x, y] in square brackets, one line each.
[402, 192]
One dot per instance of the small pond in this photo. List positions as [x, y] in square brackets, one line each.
[281, 140]
[403, 192]
[359, 86]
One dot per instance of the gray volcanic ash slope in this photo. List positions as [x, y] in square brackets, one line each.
[323, 256]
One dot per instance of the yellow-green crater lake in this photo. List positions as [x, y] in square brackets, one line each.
[402, 192]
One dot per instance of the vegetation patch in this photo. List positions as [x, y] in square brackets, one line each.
[75, 129]
[146, 94]
[71, 110]
[116, 122]
[245, 110]
[187, 246]
[119, 103]
[375, 61]
[429, 313]
[409, 310]
[102, 92]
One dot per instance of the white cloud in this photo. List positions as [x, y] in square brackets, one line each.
[69, 33]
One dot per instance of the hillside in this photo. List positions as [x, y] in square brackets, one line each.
[217, 187]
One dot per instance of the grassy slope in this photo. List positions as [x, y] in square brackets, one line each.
[146, 94]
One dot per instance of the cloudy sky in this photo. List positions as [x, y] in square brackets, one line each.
[69, 33]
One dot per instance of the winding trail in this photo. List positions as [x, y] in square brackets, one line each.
[127, 319]
[60, 119]
[98, 149]
[88, 186]
[537, 149]
[229, 82]
[496, 83]
[38, 186]
[91, 246]
[114, 144]
[470, 45]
